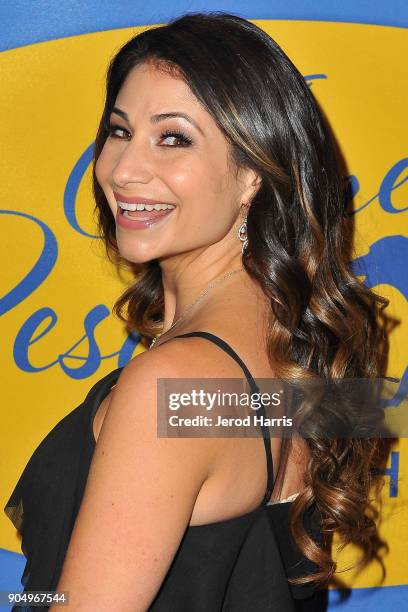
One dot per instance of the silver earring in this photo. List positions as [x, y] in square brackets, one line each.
[242, 235]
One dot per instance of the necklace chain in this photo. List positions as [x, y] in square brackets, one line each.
[198, 299]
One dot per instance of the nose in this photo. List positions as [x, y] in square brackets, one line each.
[132, 165]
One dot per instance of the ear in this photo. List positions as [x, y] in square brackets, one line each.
[250, 183]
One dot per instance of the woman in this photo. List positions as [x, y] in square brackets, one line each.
[216, 179]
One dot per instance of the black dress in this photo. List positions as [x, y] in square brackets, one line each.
[236, 565]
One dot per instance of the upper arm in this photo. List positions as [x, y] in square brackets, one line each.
[139, 496]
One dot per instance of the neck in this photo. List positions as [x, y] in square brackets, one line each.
[183, 287]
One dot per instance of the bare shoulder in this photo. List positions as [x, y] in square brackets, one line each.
[134, 407]
[176, 357]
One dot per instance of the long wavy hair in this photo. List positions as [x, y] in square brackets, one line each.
[324, 323]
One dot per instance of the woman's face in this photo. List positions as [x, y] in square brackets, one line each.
[188, 169]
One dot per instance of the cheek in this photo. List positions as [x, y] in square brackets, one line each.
[192, 179]
[103, 171]
[208, 205]
[102, 168]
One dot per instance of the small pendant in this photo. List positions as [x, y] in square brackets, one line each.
[154, 341]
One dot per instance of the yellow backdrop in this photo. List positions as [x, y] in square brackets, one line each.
[49, 119]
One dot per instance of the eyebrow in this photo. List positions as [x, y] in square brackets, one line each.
[161, 117]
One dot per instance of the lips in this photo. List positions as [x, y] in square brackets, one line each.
[141, 219]
[145, 215]
[136, 200]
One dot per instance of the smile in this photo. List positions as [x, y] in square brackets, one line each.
[132, 207]
[141, 216]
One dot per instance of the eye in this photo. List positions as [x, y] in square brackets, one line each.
[182, 138]
[116, 131]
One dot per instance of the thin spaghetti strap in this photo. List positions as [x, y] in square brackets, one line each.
[254, 389]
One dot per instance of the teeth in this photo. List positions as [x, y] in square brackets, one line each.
[132, 207]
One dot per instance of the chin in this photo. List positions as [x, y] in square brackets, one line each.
[132, 254]
[135, 258]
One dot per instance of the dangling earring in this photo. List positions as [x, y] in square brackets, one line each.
[242, 235]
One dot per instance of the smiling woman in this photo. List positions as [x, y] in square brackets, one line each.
[217, 182]
[179, 157]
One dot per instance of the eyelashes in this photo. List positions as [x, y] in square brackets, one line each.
[181, 137]
[111, 129]
[186, 140]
